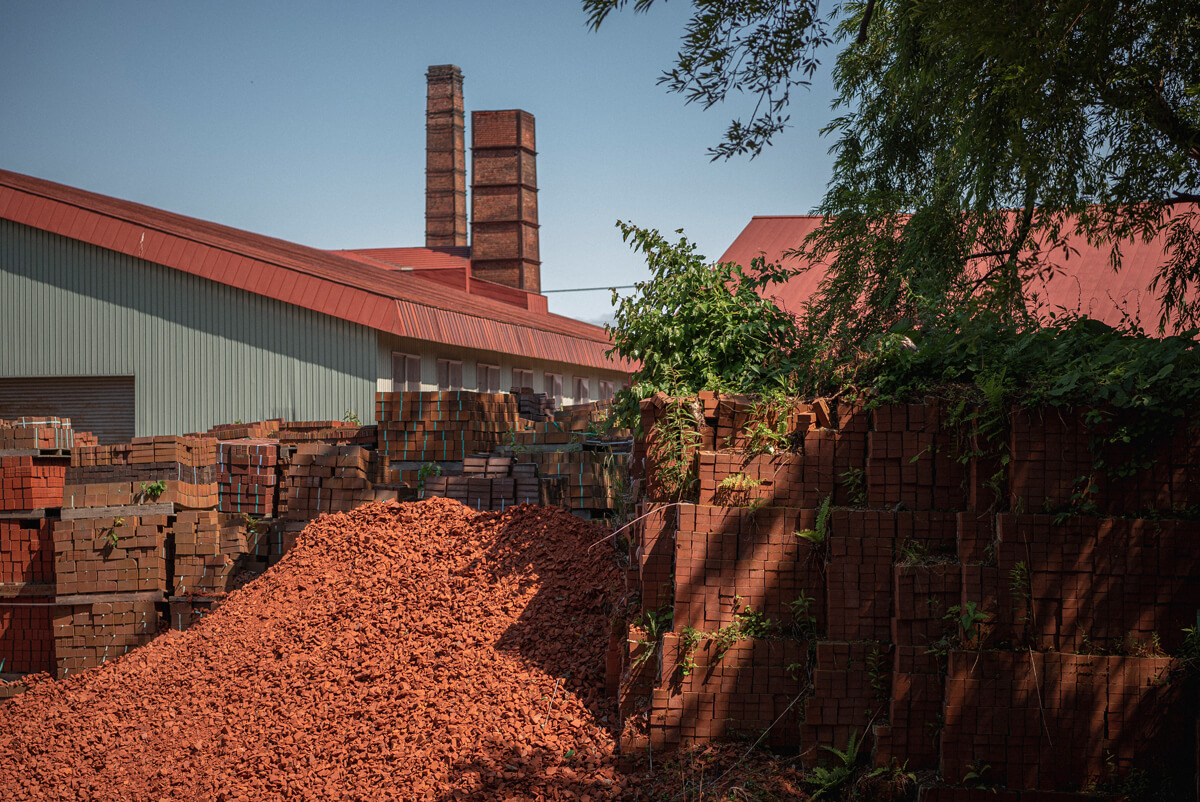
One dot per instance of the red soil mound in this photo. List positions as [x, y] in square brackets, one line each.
[413, 651]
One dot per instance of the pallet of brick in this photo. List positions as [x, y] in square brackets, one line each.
[77, 499]
[249, 477]
[42, 433]
[327, 478]
[111, 555]
[210, 550]
[90, 634]
[26, 635]
[26, 551]
[149, 459]
[533, 406]
[31, 483]
[593, 480]
[443, 425]
[337, 432]
[242, 431]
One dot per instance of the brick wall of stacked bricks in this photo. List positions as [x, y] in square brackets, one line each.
[1061, 676]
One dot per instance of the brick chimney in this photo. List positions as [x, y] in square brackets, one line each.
[445, 159]
[504, 212]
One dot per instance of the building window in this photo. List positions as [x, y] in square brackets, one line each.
[449, 374]
[406, 372]
[487, 377]
[522, 380]
[606, 390]
[583, 393]
[554, 387]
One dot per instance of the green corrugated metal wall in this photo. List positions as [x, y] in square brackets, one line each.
[201, 352]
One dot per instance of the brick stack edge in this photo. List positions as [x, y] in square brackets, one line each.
[1066, 682]
[31, 492]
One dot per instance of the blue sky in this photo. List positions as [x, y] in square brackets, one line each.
[305, 120]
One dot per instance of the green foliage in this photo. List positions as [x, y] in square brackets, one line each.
[973, 139]
[820, 534]
[672, 451]
[878, 672]
[767, 430]
[689, 639]
[425, 471]
[734, 491]
[964, 629]
[855, 482]
[109, 534]
[696, 326]
[1021, 588]
[827, 780]
[352, 417]
[656, 623]
[804, 621]
[154, 489]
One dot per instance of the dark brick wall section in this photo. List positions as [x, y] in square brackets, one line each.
[504, 213]
[445, 159]
[939, 617]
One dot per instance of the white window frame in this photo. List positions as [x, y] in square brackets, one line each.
[522, 378]
[487, 377]
[449, 374]
[410, 375]
[581, 390]
[554, 387]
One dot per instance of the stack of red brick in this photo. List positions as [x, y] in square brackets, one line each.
[210, 549]
[442, 426]
[1031, 647]
[111, 555]
[42, 433]
[327, 478]
[249, 477]
[29, 483]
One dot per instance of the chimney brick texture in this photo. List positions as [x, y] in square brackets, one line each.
[445, 159]
[504, 213]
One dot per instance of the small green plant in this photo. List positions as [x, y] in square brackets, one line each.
[964, 629]
[914, 552]
[110, 533]
[767, 430]
[352, 417]
[656, 623]
[877, 673]
[1021, 587]
[820, 533]
[153, 490]
[689, 639]
[804, 622]
[425, 471]
[855, 482]
[734, 490]
[979, 775]
[672, 450]
[828, 780]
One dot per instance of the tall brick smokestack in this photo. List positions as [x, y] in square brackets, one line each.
[504, 212]
[445, 159]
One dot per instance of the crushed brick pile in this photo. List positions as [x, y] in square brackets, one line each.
[402, 651]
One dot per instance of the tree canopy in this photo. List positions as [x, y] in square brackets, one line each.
[975, 140]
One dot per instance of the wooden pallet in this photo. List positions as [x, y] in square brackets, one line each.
[80, 513]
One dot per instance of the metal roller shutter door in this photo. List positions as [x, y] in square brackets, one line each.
[103, 405]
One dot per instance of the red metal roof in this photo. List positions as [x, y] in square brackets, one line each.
[1084, 282]
[371, 294]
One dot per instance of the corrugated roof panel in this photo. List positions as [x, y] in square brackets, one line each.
[424, 309]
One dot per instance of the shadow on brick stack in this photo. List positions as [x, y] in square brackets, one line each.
[578, 450]
[818, 576]
[34, 456]
[491, 484]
